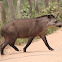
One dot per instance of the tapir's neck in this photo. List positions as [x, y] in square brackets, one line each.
[43, 21]
[42, 24]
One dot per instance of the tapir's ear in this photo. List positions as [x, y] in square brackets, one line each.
[49, 16]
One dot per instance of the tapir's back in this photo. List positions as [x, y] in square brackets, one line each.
[22, 27]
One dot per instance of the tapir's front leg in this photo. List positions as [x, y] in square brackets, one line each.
[29, 42]
[45, 41]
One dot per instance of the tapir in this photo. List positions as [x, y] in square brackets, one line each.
[27, 28]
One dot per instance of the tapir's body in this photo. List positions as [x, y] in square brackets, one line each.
[24, 28]
[27, 28]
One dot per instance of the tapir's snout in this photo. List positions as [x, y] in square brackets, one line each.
[59, 24]
[55, 23]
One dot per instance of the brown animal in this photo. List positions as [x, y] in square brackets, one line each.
[27, 28]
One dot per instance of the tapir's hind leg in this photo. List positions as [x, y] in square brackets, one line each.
[14, 47]
[45, 41]
[12, 42]
[3, 46]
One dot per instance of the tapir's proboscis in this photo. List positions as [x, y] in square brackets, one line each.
[27, 28]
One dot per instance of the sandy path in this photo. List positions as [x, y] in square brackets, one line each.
[37, 51]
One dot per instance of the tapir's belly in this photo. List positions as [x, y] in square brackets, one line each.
[23, 35]
[26, 34]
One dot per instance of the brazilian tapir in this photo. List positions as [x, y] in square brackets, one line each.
[27, 28]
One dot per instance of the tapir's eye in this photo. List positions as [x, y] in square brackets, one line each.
[56, 21]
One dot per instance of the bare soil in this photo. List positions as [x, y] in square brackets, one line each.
[37, 51]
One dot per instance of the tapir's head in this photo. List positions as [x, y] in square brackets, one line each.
[53, 21]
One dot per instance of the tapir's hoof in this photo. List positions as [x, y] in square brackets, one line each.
[2, 54]
[24, 50]
[17, 49]
[51, 49]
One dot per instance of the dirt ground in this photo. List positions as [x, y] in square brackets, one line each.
[37, 51]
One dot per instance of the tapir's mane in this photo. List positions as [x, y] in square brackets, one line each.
[46, 16]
